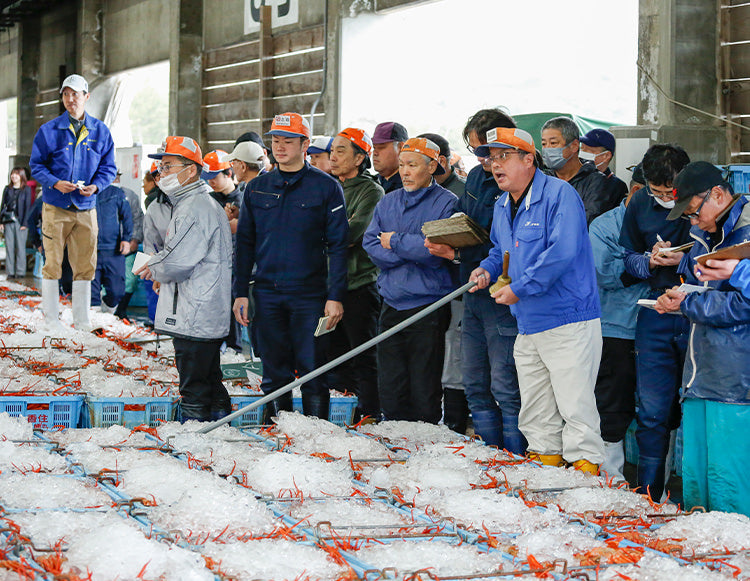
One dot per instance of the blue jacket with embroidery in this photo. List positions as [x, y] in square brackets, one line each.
[57, 155]
[114, 217]
[717, 364]
[551, 261]
[294, 229]
[410, 276]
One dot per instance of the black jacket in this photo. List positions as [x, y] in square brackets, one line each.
[594, 190]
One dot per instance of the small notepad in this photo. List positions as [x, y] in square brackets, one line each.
[140, 261]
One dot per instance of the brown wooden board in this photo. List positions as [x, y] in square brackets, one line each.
[738, 251]
[233, 54]
[456, 231]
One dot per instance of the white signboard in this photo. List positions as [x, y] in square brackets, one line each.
[283, 12]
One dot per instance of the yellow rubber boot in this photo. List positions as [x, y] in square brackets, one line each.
[547, 459]
[585, 466]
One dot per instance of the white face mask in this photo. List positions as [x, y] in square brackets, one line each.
[588, 156]
[170, 183]
[668, 205]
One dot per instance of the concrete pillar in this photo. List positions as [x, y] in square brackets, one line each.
[678, 79]
[28, 83]
[90, 41]
[678, 44]
[332, 96]
[185, 69]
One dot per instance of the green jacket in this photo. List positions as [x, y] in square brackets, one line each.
[362, 194]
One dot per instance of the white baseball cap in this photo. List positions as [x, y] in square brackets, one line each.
[75, 82]
[247, 151]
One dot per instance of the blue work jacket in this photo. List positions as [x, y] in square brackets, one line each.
[741, 277]
[293, 228]
[551, 262]
[410, 276]
[619, 303]
[114, 217]
[57, 155]
[717, 364]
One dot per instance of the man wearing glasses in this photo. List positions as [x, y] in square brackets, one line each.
[716, 379]
[488, 330]
[660, 341]
[194, 269]
[541, 222]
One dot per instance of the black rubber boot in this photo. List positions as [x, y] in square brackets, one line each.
[122, 308]
[455, 410]
[194, 412]
[283, 403]
[316, 404]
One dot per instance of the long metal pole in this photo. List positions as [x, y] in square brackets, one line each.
[339, 360]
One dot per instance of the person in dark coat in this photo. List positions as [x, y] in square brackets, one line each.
[14, 211]
[560, 153]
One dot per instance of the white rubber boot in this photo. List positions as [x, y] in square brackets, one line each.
[105, 308]
[81, 304]
[614, 460]
[51, 304]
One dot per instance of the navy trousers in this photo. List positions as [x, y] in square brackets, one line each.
[489, 370]
[285, 326]
[660, 345]
[110, 274]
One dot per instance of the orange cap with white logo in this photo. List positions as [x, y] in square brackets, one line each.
[290, 125]
[182, 146]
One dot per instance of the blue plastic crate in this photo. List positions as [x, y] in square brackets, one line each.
[739, 177]
[341, 410]
[253, 417]
[45, 412]
[130, 412]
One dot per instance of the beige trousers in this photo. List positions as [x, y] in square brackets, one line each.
[557, 372]
[76, 230]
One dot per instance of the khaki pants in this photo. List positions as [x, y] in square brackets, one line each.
[556, 374]
[78, 232]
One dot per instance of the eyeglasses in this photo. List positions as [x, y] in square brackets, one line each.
[696, 214]
[500, 157]
[471, 149]
[164, 168]
[666, 196]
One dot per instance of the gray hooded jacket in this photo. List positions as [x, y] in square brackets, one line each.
[194, 268]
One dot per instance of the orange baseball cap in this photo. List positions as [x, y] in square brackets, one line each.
[358, 137]
[182, 146]
[290, 125]
[214, 163]
[425, 147]
[506, 138]
[154, 168]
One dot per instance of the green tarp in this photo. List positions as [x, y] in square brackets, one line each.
[532, 122]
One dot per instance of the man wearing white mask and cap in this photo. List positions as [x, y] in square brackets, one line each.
[72, 158]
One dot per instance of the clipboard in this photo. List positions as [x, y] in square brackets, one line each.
[738, 251]
[670, 249]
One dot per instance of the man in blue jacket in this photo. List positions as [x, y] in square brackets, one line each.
[293, 229]
[660, 342]
[115, 221]
[72, 158]
[716, 379]
[541, 222]
[615, 383]
[410, 364]
[488, 330]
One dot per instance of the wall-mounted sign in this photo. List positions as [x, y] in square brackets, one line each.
[283, 12]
